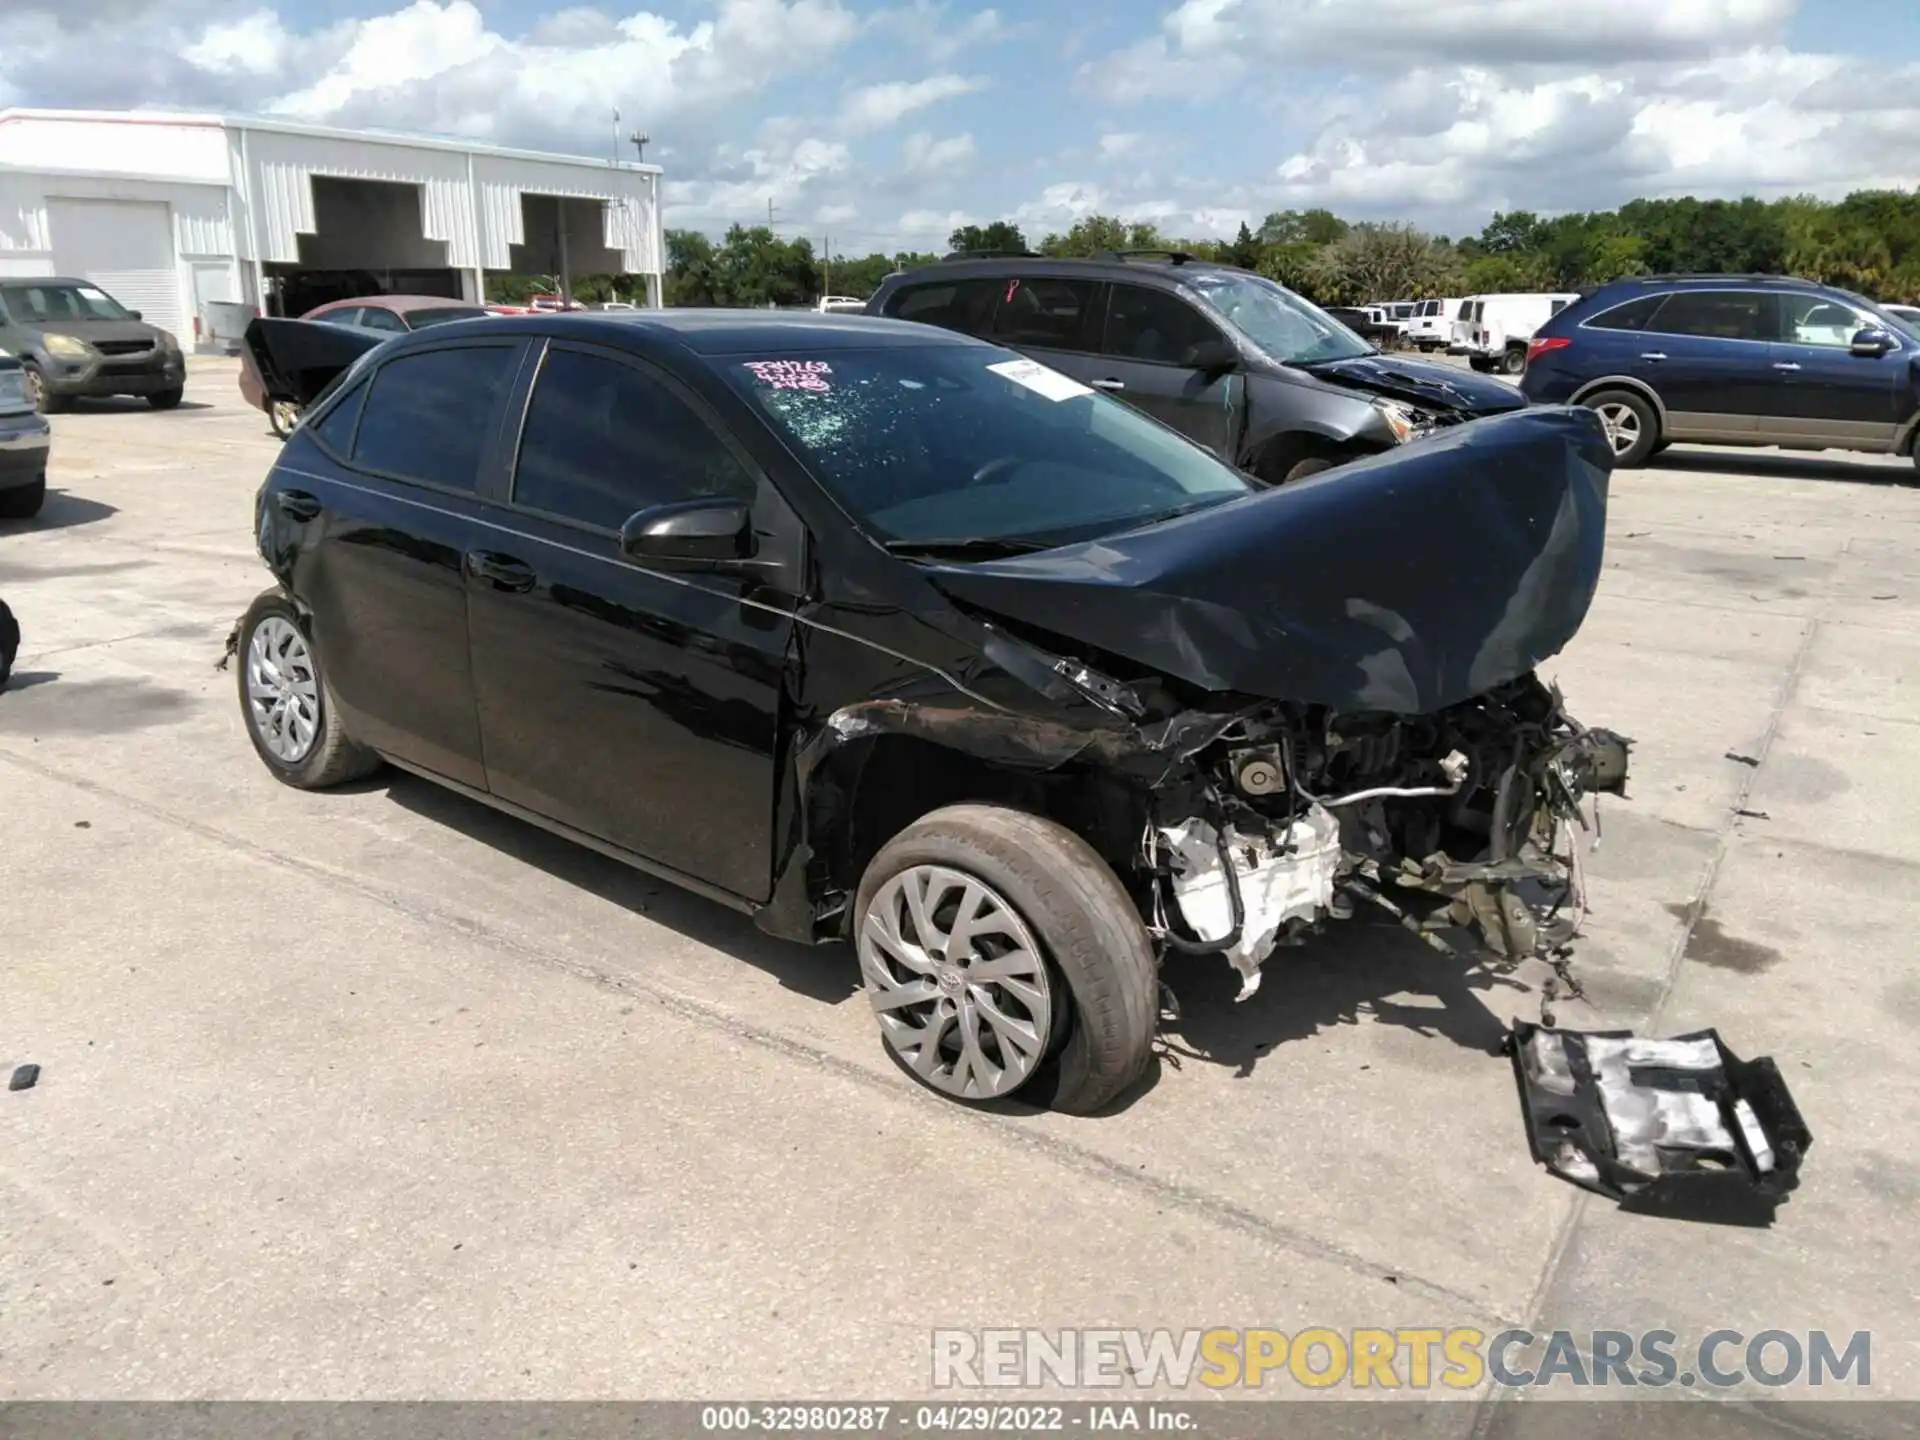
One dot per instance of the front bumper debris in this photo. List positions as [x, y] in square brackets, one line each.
[1682, 1128]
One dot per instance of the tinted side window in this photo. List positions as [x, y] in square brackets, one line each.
[374, 318]
[963, 305]
[335, 430]
[1815, 320]
[346, 319]
[1055, 314]
[1153, 325]
[603, 440]
[429, 415]
[1631, 316]
[1717, 315]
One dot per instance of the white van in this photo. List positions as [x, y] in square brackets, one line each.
[1493, 330]
[1431, 327]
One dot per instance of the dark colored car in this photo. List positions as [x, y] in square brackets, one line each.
[884, 634]
[1732, 360]
[1377, 333]
[1264, 379]
[75, 339]
[384, 314]
[25, 438]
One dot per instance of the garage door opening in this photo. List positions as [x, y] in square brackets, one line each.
[565, 239]
[367, 240]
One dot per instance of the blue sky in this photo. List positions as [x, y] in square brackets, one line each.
[884, 123]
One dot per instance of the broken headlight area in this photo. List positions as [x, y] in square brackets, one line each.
[1681, 1127]
[1479, 813]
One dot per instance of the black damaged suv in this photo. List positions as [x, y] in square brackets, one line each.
[1266, 380]
[884, 634]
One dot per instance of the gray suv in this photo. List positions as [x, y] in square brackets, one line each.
[1266, 380]
[75, 339]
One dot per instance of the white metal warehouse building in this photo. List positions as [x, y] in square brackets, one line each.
[184, 217]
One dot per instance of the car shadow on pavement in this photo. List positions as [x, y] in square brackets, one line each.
[110, 404]
[1364, 968]
[60, 511]
[1748, 464]
[827, 973]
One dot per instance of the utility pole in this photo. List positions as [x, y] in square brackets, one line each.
[826, 262]
[566, 277]
[769, 212]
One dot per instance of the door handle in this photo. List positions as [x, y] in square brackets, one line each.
[297, 504]
[503, 572]
[1654, 355]
[1109, 384]
[1785, 365]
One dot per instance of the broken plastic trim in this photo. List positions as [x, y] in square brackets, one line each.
[1682, 1127]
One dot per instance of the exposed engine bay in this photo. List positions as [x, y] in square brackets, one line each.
[1298, 814]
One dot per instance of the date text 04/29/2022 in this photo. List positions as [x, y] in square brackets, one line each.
[945, 1419]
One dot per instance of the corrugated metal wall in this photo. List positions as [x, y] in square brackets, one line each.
[284, 166]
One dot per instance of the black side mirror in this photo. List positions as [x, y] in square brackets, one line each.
[134, 313]
[690, 533]
[1213, 357]
[1873, 343]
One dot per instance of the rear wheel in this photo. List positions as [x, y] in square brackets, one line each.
[1001, 956]
[1311, 466]
[282, 415]
[1480, 363]
[289, 711]
[1514, 362]
[23, 502]
[1633, 430]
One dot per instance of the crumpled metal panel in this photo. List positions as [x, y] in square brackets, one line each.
[1406, 583]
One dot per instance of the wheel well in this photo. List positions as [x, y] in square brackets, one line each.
[871, 789]
[1275, 456]
[1620, 382]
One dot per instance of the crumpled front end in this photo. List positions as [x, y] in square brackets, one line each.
[1474, 816]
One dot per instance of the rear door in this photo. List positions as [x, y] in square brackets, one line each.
[638, 706]
[1148, 339]
[1827, 395]
[385, 529]
[1057, 322]
[1708, 355]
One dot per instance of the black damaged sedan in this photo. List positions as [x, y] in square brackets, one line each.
[889, 635]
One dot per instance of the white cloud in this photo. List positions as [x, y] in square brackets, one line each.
[874, 107]
[940, 158]
[1120, 145]
[255, 44]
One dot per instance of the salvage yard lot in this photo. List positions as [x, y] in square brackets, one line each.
[378, 1093]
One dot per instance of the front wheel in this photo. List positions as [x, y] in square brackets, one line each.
[44, 400]
[1633, 430]
[289, 711]
[165, 399]
[1001, 956]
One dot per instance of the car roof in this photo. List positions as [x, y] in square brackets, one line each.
[718, 332]
[1114, 265]
[399, 304]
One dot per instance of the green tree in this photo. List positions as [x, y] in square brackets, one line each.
[1381, 262]
[1001, 235]
[1311, 227]
[693, 270]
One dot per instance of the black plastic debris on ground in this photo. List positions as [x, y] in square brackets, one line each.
[25, 1077]
[1680, 1128]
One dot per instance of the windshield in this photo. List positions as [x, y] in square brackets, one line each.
[1291, 330]
[964, 444]
[46, 304]
[438, 316]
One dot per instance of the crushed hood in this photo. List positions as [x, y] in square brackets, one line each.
[1407, 582]
[1423, 383]
[297, 359]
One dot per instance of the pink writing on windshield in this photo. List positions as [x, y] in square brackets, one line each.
[792, 374]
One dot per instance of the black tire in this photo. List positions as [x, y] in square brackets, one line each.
[24, 501]
[1480, 363]
[332, 758]
[44, 400]
[1647, 420]
[1514, 362]
[166, 399]
[1312, 465]
[1101, 962]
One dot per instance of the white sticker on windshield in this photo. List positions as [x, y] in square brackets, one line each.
[90, 292]
[1039, 379]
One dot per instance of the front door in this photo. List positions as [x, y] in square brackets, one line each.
[639, 707]
[1827, 395]
[1148, 338]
